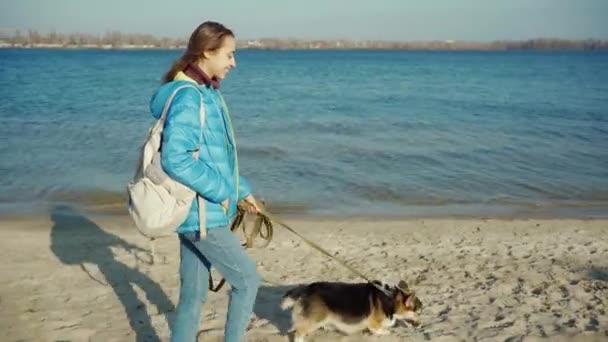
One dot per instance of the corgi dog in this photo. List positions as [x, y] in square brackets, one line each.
[350, 307]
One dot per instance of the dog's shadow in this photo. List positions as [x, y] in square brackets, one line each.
[268, 307]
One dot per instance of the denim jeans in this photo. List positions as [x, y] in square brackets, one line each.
[222, 250]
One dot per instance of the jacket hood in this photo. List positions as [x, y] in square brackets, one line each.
[157, 103]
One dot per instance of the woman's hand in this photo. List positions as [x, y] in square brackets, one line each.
[253, 207]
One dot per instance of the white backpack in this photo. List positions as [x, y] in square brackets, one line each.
[157, 203]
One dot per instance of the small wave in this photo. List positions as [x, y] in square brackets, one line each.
[287, 208]
[594, 196]
[332, 127]
[545, 193]
[374, 193]
[265, 152]
[115, 202]
[102, 201]
[91, 199]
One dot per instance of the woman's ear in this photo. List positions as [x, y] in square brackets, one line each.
[208, 54]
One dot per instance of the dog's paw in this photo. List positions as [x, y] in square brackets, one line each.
[381, 332]
[387, 323]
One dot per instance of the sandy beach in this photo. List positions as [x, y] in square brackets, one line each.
[72, 276]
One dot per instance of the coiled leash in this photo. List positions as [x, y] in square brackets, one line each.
[262, 226]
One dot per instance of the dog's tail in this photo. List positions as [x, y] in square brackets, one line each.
[291, 297]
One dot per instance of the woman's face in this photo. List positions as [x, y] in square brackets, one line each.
[217, 63]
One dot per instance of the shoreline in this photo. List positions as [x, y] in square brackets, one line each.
[10, 211]
[5, 218]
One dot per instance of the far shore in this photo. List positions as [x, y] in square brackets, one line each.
[124, 43]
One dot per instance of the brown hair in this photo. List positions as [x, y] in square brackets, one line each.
[208, 36]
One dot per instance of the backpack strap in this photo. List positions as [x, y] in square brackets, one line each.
[163, 116]
[157, 129]
[202, 213]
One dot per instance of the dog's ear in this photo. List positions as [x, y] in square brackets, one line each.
[405, 288]
[413, 302]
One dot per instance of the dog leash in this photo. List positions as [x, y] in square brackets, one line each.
[325, 252]
[264, 228]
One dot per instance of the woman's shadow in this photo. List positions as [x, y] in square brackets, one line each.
[268, 307]
[76, 240]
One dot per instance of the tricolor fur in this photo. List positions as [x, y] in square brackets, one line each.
[350, 307]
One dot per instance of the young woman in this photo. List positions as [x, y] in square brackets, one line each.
[213, 175]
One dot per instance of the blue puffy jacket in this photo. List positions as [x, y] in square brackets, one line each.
[214, 175]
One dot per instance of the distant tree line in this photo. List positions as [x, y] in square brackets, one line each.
[532, 44]
[112, 39]
[33, 38]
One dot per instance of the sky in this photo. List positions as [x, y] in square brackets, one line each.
[399, 20]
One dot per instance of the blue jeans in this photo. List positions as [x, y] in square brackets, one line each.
[222, 249]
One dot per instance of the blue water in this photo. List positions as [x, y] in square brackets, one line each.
[328, 132]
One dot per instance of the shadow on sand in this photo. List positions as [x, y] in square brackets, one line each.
[76, 240]
[268, 307]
